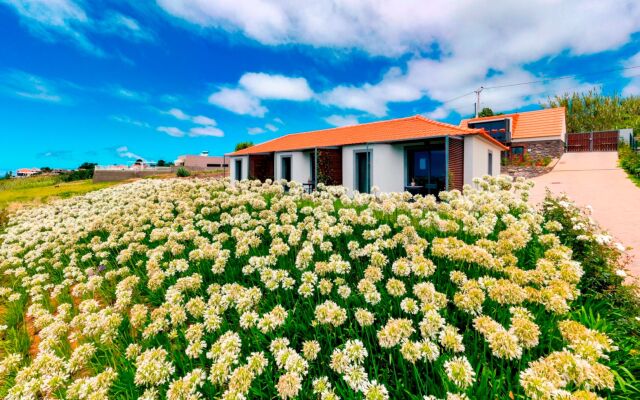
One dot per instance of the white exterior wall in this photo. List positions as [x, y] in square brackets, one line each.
[300, 165]
[387, 166]
[476, 154]
[245, 167]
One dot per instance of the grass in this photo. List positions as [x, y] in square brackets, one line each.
[40, 189]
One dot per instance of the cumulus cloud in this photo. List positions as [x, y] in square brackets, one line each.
[253, 87]
[238, 101]
[455, 46]
[516, 30]
[278, 87]
[342, 120]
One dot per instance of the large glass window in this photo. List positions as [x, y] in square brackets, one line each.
[426, 169]
[499, 130]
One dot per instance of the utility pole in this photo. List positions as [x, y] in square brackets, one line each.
[477, 92]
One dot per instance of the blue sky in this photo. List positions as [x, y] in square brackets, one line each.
[110, 81]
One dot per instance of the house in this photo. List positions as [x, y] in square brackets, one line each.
[26, 172]
[539, 133]
[202, 161]
[415, 154]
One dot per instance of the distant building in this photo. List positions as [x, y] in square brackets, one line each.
[26, 172]
[539, 133]
[202, 161]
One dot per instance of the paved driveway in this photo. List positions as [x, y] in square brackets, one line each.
[594, 179]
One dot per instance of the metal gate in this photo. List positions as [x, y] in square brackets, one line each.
[592, 141]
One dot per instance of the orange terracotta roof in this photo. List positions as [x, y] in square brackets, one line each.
[530, 124]
[415, 127]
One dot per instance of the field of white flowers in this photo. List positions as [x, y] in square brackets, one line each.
[189, 289]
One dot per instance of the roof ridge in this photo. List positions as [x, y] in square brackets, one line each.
[348, 126]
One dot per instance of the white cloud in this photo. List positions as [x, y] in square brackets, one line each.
[255, 130]
[206, 131]
[202, 120]
[127, 120]
[520, 30]
[28, 86]
[373, 98]
[271, 127]
[178, 114]
[125, 93]
[238, 101]
[633, 87]
[342, 120]
[124, 152]
[198, 119]
[278, 87]
[54, 20]
[253, 87]
[472, 41]
[124, 26]
[171, 131]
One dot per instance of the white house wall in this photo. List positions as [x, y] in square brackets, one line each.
[300, 165]
[476, 154]
[387, 166]
[245, 167]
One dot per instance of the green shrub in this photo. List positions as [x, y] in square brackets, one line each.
[629, 160]
[182, 172]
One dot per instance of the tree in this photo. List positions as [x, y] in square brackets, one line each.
[594, 111]
[486, 112]
[161, 163]
[45, 170]
[243, 145]
[88, 165]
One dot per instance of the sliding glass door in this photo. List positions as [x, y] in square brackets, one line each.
[426, 169]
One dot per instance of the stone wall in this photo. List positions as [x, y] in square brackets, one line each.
[542, 148]
[108, 175]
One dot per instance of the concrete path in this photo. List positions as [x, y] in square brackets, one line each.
[595, 179]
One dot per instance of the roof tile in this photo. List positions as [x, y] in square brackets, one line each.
[415, 127]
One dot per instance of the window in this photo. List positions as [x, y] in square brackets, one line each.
[490, 163]
[238, 170]
[426, 170]
[499, 130]
[214, 165]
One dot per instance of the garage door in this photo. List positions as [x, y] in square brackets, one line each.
[592, 141]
